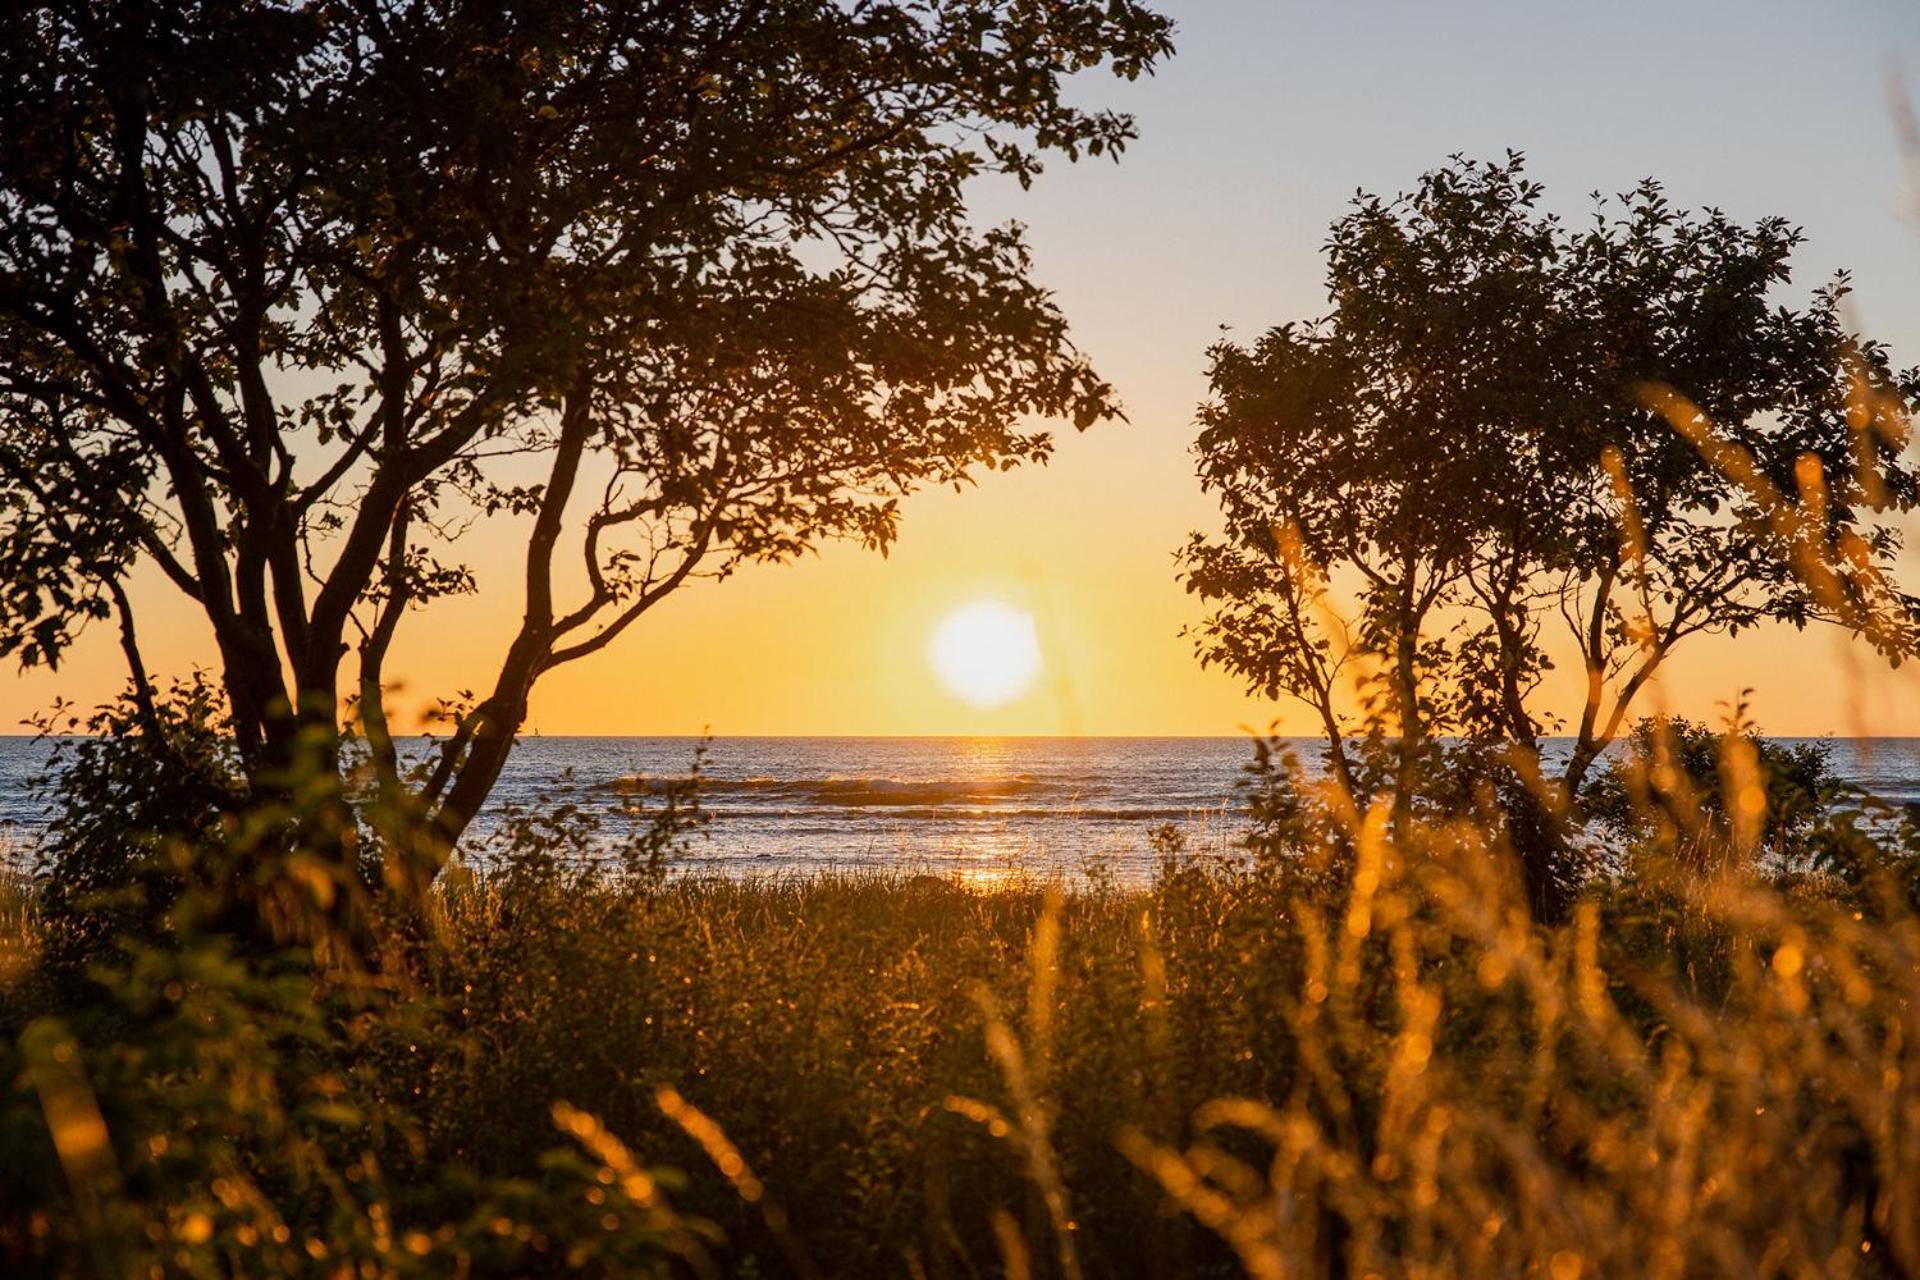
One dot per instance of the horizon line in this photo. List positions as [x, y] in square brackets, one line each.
[1061, 737]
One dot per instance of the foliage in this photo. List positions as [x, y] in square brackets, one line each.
[1506, 423]
[189, 1095]
[1351, 1056]
[1402, 1061]
[1294, 816]
[291, 295]
[1682, 789]
[242, 1120]
[122, 804]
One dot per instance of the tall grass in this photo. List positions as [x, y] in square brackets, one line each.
[1219, 1074]
[1353, 1056]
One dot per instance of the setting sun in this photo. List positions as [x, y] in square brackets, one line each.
[986, 653]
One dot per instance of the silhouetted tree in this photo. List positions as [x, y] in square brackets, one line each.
[290, 292]
[1506, 423]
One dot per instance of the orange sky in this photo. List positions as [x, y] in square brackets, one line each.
[836, 644]
[1252, 139]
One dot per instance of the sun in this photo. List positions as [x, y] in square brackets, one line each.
[986, 653]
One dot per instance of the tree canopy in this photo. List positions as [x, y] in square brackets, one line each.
[290, 290]
[1508, 423]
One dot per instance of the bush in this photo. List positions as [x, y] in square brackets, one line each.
[194, 1087]
[1685, 791]
[130, 812]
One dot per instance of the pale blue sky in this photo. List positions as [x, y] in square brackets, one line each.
[1271, 115]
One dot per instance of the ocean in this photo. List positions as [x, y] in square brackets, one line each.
[980, 808]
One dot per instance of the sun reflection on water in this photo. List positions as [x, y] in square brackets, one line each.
[990, 878]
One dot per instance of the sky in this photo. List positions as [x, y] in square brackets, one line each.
[1252, 139]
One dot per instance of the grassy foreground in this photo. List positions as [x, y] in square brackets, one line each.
[1223, 1073]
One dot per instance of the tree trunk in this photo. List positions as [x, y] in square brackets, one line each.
[1407, 692]
[1539, 839]
[499, 721]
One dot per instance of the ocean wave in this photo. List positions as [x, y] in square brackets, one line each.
[860, 792]
[1063, 812]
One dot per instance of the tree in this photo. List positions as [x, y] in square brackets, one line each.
[1506, 423]
[288, 292]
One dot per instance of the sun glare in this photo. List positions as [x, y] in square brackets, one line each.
[986, 653]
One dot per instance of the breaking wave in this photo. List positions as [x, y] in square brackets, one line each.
[1015, 796]
[864, 792]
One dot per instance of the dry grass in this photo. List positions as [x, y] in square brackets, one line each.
[1222, 1074]
[1386, 1071]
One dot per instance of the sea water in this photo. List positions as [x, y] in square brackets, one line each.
[980, 808]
